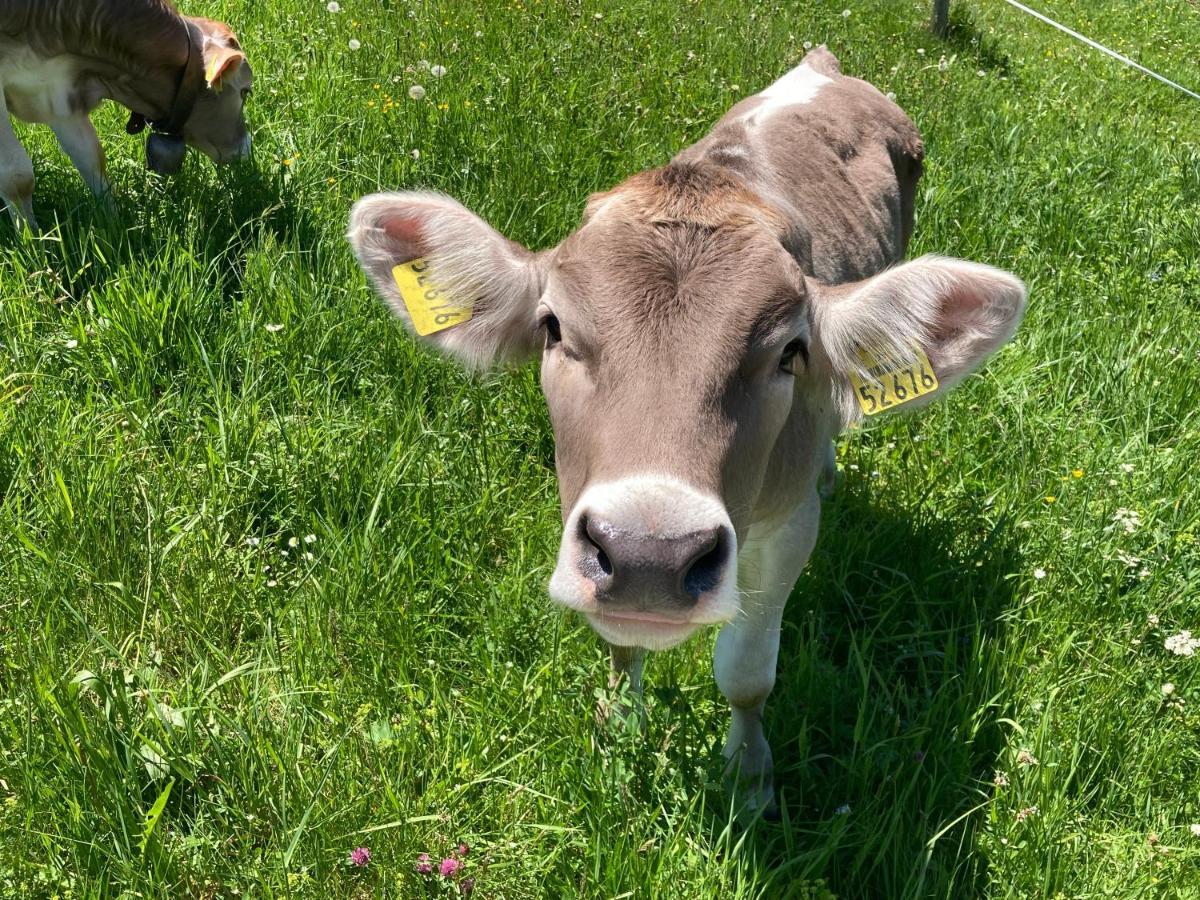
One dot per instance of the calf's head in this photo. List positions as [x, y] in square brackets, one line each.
[217, 124]
[691, 369]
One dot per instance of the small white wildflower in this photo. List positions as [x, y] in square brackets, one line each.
[308, 556]
[1152, 620]
[1039, 574]
[1025, 758]
[843, 810]
[72, 344]
[1182, 644]
[1000, 779]
[807, 45]
[1129, 519]
[598, 16]
[943, 64]
[1130, 561]
[437, 71]
[845, 13]
[735, 87]
[310, 539]
[293, 541]
[416, 92]
[1168, 689]
[920, 51]
[1194, 829]
[273, 327]
[891, 95]
[1026, 813]
[333, 6]
[355, 43]
[423, 64]
[252, 542]
[272, 583]
[1127, 468]
[415, 153]
[479, 34]
[981, 73]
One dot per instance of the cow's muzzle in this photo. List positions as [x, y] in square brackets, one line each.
[648, 560]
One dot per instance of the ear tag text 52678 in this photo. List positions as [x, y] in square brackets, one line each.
[429, 307]
[889, 385]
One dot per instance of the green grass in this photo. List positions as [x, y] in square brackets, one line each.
[178, 719]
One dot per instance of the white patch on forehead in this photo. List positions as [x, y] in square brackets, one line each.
[798, 86]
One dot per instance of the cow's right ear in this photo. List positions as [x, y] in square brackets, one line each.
[452, 278]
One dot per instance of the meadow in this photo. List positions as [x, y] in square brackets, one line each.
[272, 577]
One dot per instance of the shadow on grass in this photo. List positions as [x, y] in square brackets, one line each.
[883, 718]
[966, 38]
[84, 242]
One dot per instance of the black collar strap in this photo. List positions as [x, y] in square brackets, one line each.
[187, 89]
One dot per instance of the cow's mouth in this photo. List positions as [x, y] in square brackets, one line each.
[653, 632]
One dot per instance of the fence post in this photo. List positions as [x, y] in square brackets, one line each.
[941, 17]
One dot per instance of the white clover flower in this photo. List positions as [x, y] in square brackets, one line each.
[273, 327]
[1039, 573]
[891, 95]
[598, 16]
[437, 71]
[920, 51]
[1129, 519]
[72, 344]
[252, 542]
[415, 153]
[479, 34]
[1152, 620]
[1194, 829]
[355, 44]
[310, 539]
[1182, 644]
[807, 45]
[1168, 689]
[293, 542]
[1127, 468]
[333, 6]
[981, 73]
[416, 92]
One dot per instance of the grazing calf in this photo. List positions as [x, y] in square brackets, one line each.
[705, 334]
[187, 78]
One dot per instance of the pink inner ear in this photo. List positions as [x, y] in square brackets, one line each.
[405, 231]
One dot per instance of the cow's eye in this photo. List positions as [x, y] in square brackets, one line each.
[553, 330]
[796, 348]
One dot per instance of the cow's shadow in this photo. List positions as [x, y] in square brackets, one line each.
[882, 721]
[217, 220]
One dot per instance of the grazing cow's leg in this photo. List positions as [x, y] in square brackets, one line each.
[77, 137]
[748, 647]
[16, 172]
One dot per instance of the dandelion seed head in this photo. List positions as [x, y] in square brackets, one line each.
[416, 92]
[355, 44]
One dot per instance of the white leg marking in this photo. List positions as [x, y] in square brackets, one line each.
[16, 172]
[77, 137]
[748, 647]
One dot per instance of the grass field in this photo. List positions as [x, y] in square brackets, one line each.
[272, 578]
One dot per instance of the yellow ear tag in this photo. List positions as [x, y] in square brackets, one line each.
[428, 306]
[213, 68]
[889, 386]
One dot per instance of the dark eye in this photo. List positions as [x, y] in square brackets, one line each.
[553, 329]
[787, 362]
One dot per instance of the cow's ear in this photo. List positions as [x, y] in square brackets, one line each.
[220, 61]
[956, 313]
[452, 278]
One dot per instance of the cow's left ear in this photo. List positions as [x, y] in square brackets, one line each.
[220, 61]
[957, 313]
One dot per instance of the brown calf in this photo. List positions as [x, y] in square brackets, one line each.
[705, 334]
[187, 78]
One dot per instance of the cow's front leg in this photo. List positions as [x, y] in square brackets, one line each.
[748, 648]
[625, 665]
[77, 136]
[16, 172]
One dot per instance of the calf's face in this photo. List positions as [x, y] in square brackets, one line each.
[217, 124]
[685, 355]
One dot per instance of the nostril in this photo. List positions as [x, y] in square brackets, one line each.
[704, 573]
[594, 560]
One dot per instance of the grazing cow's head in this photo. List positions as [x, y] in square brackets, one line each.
[685, 356]
[217, 125]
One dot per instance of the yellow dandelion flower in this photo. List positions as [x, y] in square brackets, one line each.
[1049, 498]
[1078, 473]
